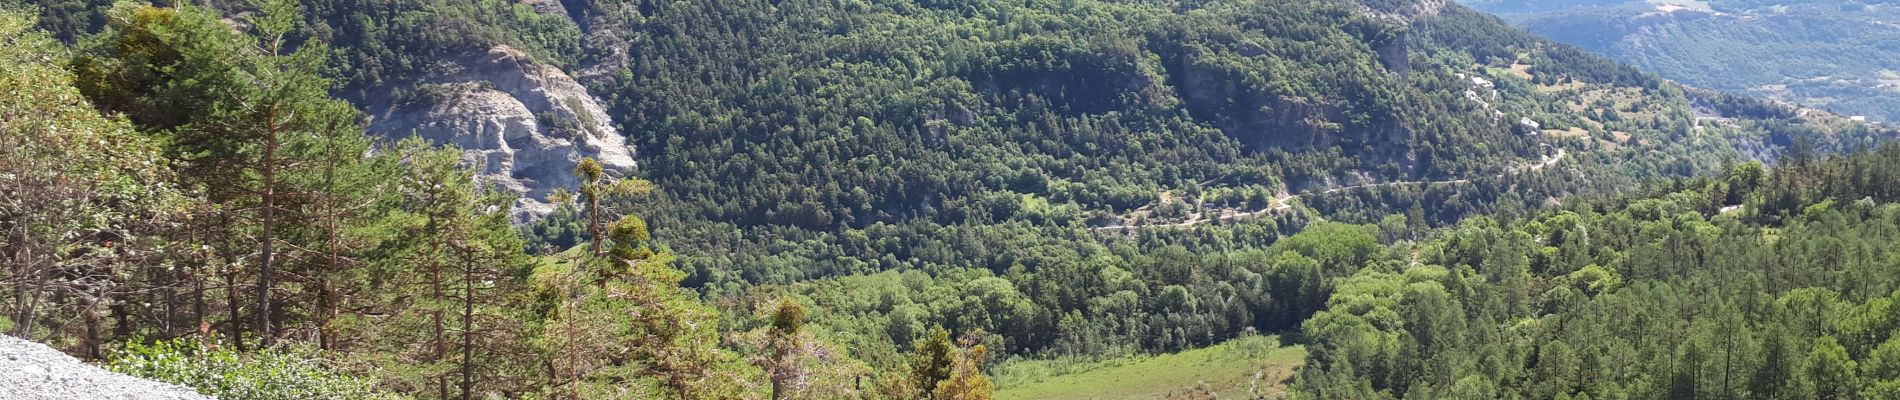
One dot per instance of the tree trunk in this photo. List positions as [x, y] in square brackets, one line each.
[23, 312]
[266, 270]
[91, 343]
[32, 282]
[121, 317]
[169, 327]
[198, 306]
[23, 301]
[435, 288]
[121, 313]
[198, 286]
[468, 321]
[326, 291]
[231, 301]
[441, 349]
[573, 353]
[593, 218]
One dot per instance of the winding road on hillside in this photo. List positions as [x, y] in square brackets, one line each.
[1282, 203]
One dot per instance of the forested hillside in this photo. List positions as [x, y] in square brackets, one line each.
[186, 202]
[1750, 285]
[846, 199]
[951, 157]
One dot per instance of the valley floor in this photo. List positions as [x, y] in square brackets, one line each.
[1248, 367]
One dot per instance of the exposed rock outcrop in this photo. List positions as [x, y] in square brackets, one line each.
[1404, 12]
[526, 124]
[1395, 55]
[547, 6]
[1265, 119]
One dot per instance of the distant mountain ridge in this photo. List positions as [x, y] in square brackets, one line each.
[1838, 55]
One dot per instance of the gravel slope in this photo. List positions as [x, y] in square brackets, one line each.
[32, 371]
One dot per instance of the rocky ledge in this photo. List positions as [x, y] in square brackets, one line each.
[524, 123]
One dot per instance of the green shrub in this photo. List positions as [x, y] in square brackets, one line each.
[260, 375]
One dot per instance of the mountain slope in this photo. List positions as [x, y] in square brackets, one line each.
[908, 164]
[953, 155]
[1762, 283]
[1837, 55]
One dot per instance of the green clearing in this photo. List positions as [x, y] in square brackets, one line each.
[1229, 369]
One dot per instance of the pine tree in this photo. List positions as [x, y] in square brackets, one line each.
[248, 119]
[782, 368]
[1829, 372]
[624, 324]
[932, 362]
[966, 381]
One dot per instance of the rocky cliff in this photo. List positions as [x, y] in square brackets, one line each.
[1402, 12]
[524, 123]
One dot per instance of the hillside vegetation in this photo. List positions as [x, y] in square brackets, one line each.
[877, 199]
[1788, 295]
[1256, 365]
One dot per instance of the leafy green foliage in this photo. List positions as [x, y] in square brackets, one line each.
[223, 373]
[619, 324]
[1253, 364]
[83, 193]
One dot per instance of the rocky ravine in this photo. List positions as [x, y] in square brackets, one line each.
[526, 124]
[32, 371]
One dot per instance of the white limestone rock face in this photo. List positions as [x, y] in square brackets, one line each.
[525, 124]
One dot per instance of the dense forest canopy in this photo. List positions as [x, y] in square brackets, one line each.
[897, 198]
[1787, 295]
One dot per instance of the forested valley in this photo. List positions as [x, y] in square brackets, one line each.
[939, 199]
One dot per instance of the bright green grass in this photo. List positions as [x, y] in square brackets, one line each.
[1228, 369]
